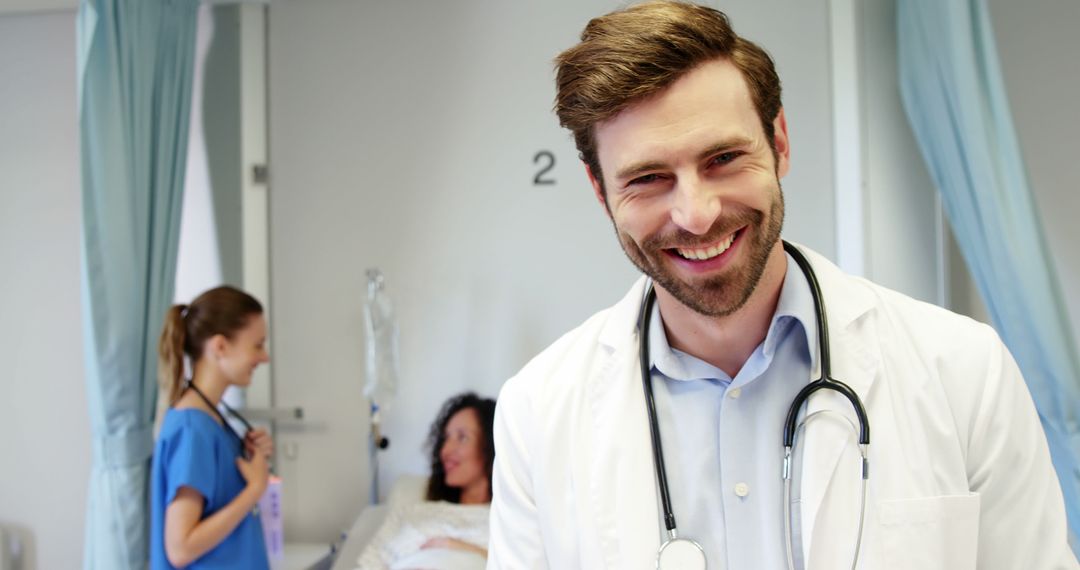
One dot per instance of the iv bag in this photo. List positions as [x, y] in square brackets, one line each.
[381, 366]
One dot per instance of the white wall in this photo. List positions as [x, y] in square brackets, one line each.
[402, 137]
[903, 227]
[44, 438]
[37, 6]
[1039, 47]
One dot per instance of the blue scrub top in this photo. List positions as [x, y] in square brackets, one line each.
[195, 451]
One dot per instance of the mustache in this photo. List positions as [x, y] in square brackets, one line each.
[722, 227]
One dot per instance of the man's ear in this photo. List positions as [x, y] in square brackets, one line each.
[781, 144]
[598, 189]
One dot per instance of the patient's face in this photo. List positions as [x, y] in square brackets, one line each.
[462, 455]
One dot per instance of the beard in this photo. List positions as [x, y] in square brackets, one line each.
[717, 295]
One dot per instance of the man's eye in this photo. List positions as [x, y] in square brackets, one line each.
[726, 157]
[647, 179]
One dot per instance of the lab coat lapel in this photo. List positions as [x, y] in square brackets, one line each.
[623, 486]
[827, 438]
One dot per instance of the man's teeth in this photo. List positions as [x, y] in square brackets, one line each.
[710, 252]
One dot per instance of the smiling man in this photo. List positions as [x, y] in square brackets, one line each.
[680, 126]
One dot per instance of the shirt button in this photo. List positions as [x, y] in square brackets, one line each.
[734, 393]
[742, 489]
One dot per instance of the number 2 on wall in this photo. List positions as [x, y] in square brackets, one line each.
[546, 167]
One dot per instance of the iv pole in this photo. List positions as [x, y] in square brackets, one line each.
[381, 383]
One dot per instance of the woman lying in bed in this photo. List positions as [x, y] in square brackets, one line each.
[448, 531]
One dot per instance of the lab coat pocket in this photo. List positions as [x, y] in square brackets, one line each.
[930, 533]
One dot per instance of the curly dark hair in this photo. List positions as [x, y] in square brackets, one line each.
[437, 490]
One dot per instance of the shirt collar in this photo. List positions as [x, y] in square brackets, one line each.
[795, 305]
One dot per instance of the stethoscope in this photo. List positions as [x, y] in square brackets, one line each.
[686, 554]
[232, 412]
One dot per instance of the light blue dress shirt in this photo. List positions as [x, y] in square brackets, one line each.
[723, 436]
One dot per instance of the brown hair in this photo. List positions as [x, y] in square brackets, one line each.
[437, 489]
[634, 53]
[222, 310]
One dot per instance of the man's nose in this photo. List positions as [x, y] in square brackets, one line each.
[696, 206]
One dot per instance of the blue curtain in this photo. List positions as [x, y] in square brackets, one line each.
[135, 74]
[955, 100]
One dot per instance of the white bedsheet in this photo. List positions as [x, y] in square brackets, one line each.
[441, 559]
[406, 529]
[407, 490]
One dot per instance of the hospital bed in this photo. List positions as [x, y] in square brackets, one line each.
[407, 489]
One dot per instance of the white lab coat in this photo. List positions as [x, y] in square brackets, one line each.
[960, 472]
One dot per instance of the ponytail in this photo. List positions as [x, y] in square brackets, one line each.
[221, 310]
[171, 352]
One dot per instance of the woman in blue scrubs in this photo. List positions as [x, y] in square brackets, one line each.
[206, 480]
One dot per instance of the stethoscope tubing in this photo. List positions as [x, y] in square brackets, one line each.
[826, 381]
[650, 404]
[791, 425]
[232, 412]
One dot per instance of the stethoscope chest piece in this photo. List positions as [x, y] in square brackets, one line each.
[680, 554]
